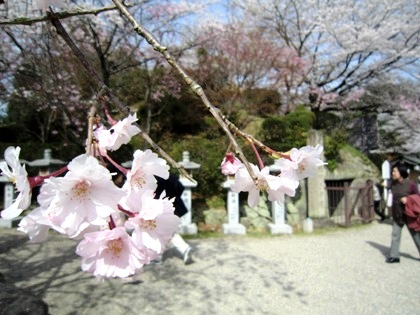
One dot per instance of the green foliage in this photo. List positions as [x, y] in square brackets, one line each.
[327, 121]
[215, 202]
[333, 142]
[178, 116]
[207, 152]
[357, 153]
[283, 133]
[131, 86]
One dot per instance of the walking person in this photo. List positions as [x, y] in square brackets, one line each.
[401, 188]
[377, 198]
[173, 189]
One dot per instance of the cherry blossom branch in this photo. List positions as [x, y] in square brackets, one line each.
[254, 141]
[39, 179]
[194, 86]
[60, 15]
[260, 162]
[91, 120]
[105, 90]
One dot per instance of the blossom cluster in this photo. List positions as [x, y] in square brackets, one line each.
[120, 229]
[298, 164]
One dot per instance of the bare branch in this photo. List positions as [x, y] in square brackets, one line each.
[59, 15]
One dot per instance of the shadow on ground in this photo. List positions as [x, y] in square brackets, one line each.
[226, 273]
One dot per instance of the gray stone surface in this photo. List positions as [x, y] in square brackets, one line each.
[341, 272]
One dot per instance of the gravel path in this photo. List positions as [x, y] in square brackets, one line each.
[340, 272]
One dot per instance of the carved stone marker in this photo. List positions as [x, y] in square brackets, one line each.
[233, 226]
[278, 225]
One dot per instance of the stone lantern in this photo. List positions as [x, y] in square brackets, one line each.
[47, 164]
[187, 227]
[278, 225]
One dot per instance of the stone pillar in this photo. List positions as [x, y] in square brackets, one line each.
[386, 175]
[279, 226]
[278, 213]
[9, 196]
[187, 227]
[317, 192]
[233, 226]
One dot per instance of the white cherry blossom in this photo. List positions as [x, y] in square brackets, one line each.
[154, 221]
[17, 174]
[275, 186]
[85, 196]
[121, 133]
[145, 166]
[110, 253]
[303, 162]
[36, 224]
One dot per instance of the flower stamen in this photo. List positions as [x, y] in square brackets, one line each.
[81, 190]
[115, 246]
[148, 224]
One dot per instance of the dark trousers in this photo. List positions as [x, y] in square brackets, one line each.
[376, 206]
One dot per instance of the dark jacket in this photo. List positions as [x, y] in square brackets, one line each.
[173, 188]
[399, 190]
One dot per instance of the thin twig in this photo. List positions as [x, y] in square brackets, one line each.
[91, 120]
[251, 139]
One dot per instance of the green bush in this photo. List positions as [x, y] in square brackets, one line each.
[208, 151]
[282, 133]
[333, 142]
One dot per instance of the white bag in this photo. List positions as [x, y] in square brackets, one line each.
[389, 199]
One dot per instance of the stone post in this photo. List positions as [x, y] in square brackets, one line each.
[317, 192]
[187, 227]
[233, 226]
[386, 175]
[278, 213]
[9, 195]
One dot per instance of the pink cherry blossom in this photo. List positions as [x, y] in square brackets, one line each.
[303, 162]
[110, 253]
[17, 174]
[230, 164]
[146, 165]
[36, 224]
[121, 133]
[275, 186]
[85, 196]
[154, 222]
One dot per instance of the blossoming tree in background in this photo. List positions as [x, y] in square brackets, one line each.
[121, 229]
